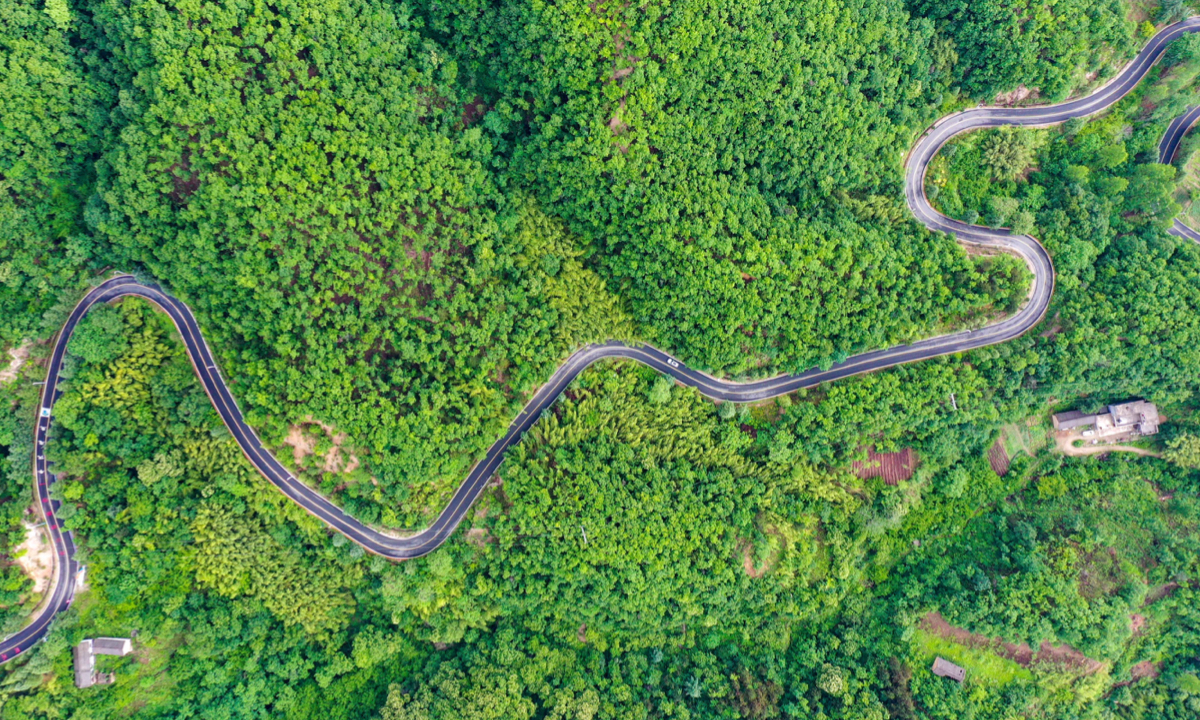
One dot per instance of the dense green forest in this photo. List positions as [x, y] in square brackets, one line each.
[388, 195]
[644, 558]
[395, 218]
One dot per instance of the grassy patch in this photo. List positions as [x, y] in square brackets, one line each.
[1100, 574]
[1030, 436]
[143, 683]
[149, 684]
[981, 666]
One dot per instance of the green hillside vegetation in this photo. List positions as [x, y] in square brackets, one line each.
[56, 118]
[16, 473]
[1047, 46]
[1187, 189]
[376, 238]
[397, 218]
[641, 552]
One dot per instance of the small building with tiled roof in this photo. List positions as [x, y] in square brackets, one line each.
[1136, 417]
[944, 668]
[85, 659]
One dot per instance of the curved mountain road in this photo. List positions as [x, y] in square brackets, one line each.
[1167, 148]
[431, 537]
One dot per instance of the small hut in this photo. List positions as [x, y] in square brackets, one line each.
[945, 668]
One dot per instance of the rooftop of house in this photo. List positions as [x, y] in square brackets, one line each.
[945, 668]
[112, 646]
[85, 659]
[1138, 415]
[1073, 419]
[85, 665]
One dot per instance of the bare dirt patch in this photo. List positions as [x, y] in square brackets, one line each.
[617, 125]
[892, 467]
[1160, 592]
[1022, 654]
[479, 536]
[1100, 574]
[981, 251]
[1069, 657]
[748, 562]
[623, 65]
[17, 357]
[36, 558]
[1145, 670]
[1055, 328]
[1139, 11]
[303, 445]
[747, 549]
[1019, 95]
[998, 458]
[1137, 622]
[474, 111]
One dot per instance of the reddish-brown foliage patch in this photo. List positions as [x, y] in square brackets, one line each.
[1145, 669]
[473, 111]
[892, 467]
[998, 458]
[1160, 592]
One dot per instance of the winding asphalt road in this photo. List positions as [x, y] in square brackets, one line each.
[396, 548]
[1167, 148]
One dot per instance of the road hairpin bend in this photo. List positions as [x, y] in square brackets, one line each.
[1167, 148]
[1024, 246]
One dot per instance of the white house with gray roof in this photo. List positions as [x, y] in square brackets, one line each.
[1137, 417]
[85, 659]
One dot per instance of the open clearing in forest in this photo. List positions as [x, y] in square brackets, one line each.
[776, 544]
[892, 467]
[1030, 437]
[36, 558]
[981, 664]
[17, 357]
[998, 458]
[304, 444]
[1188, 188]
[1017, 96]
[1021, 654]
